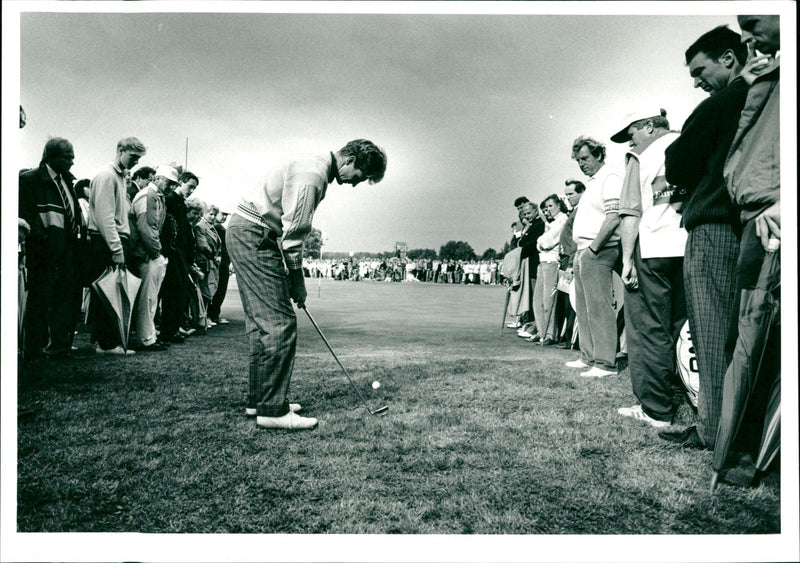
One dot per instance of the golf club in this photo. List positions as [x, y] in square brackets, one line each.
[505, 310]
[377, 411]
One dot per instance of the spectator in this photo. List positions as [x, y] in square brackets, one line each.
[752, 174]
[148, 212]
[109, 232]
[694, 162]
[532, 230]
[653, 244]
[140, 179]
[597, 257]
[50, 208]
[195, 316]
[547, 272]
[177, 289]
[265, 240]
[564, 312]
[207, 256]
[224, 272]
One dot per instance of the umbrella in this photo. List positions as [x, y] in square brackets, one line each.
[758, 313]
[22, 296]
[505, 309]
[771, 437]
[117, 289]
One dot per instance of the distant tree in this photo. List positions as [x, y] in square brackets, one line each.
[421, 254]
[313, 244]
[456, 250]
[489, 254]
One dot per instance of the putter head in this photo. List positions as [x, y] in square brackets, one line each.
[383, 410]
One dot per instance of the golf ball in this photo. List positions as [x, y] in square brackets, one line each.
[376, 384]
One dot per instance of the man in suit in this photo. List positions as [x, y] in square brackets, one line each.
[47, 202]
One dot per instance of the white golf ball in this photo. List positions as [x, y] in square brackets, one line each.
[376, 384]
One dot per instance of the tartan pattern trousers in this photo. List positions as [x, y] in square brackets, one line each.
[709, 273]
[270, 321]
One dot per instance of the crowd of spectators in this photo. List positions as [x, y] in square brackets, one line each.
[137, 219]
[684, 224]
[403, 269]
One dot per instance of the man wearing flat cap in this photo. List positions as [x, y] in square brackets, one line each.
[148, 211]
[653, 244]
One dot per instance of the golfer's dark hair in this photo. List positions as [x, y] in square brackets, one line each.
[144, 172]
[659, 121]
[370, 158]
[595, 148]
[558, 201]
[53, 148]
[716, 42]
[579, 186]
[186, 176]
[520, 200]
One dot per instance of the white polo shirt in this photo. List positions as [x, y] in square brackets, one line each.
[600, 198]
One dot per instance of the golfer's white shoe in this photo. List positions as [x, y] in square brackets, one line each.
[289, 421]
[293, 407]
[577, 364]
[637, 413]
[597, 372]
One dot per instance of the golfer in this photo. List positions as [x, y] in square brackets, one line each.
[265, 242]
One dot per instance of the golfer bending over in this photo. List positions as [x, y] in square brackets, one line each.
[265, 242]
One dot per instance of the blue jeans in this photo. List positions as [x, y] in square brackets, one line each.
[597, 319]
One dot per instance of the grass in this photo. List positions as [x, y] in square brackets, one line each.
[485, 434]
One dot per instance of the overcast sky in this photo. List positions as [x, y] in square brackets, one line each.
[472, 110]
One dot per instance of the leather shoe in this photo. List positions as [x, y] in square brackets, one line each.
[687, 438]
[175, 338]
[548, 342]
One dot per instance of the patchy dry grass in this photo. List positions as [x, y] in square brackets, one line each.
[485, 434]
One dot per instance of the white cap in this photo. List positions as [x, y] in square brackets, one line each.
[167, 172]
[632, 117]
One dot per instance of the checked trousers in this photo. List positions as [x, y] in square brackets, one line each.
[709, 274]
[270, 321]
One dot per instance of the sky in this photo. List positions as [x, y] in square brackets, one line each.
[475, 105]
[472, 110]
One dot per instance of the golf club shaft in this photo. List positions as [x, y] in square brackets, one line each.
[335, 357]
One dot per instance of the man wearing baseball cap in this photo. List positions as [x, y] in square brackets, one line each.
[148, 211]
[653, 243]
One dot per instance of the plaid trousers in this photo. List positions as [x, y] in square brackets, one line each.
[270, 321]
[709, 272]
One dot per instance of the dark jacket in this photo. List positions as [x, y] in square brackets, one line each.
[40, 204]
[527, 243]
[184, 241]
[696, 159]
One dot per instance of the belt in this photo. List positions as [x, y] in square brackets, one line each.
[91, 234]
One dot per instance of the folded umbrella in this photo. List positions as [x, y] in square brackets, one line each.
[117, 289]
[758, 312]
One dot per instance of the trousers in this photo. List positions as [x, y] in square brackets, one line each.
[544, 299]
[594, 309]
[270, 321]
[654, 316]
[709, 275]
[152, 273]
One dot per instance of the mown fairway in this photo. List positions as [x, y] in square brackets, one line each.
[485, 434]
